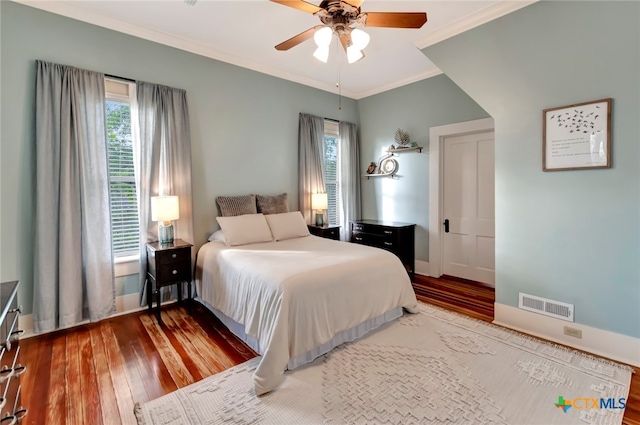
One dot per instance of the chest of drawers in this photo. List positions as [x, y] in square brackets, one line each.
[11, 410]
[396, 237]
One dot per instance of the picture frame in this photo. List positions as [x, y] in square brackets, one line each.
[577, 137]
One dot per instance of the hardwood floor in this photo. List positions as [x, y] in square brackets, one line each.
[94, 374]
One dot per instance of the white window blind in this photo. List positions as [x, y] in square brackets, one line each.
[331, 173]
[122, 184]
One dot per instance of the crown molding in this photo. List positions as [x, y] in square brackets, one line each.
[69, 10]
[483, 16]
[399, 83]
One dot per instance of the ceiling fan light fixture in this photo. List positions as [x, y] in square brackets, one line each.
[322, 54]
[354, 54]
[322, 37]
[360, 39]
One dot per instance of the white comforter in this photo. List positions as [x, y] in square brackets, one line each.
[296, 294]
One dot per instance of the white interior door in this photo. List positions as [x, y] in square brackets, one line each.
[469, 211]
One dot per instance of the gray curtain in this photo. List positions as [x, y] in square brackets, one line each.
[163, 146]
[310, 162]
[73, 264]
[350, 202]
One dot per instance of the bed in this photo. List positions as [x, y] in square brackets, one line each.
[293, 299]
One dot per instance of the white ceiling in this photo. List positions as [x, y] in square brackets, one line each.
[244, 33]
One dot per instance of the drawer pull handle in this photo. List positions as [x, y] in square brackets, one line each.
[388, 232]
[16, 334]
[16, 310]
[174, 255]
[175, 272]
[357, 238]
[388, 243]
[20, 413]
[5, 373]
[19, 369]
[9, 420]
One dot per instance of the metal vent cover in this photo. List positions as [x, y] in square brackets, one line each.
[557, 309]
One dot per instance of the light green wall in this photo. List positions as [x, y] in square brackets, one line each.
[572, 236]
[414, 108]
[244, 124]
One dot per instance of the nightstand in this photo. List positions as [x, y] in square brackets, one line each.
[167, 264]
[329, 232]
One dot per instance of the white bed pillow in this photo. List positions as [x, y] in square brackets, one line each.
[245, 229]
[287, 225]
[218, 236]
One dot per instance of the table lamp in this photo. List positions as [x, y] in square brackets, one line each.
[163, 210]
[319, 202]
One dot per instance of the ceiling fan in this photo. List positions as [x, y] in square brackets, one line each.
[344, 19]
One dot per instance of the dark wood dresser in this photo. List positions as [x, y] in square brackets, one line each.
[11, 410]
[398, 238]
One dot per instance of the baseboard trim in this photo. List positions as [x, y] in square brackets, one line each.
[607, 344]
[125, 304]
[422, 268]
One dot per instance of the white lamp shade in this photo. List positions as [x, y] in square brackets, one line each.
[165, 208]
[353, 54]
[322, 54]
[360, 39]
[323, 36]
[319, 201]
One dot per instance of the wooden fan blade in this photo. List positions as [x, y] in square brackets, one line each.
[396, 19]
[299, 4]
[295, 40]
[355, 3]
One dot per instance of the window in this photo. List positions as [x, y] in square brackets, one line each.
[122, 184]
[331, 173]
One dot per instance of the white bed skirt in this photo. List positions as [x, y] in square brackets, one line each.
[340, 338]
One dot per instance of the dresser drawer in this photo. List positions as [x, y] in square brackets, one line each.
[374, 230]
[173, 272]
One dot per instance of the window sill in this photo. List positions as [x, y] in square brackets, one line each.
[125, 266]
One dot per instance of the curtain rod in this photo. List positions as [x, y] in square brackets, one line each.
[331, 119]
[119, 78]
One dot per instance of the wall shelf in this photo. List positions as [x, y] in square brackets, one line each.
[378, 175]
[396, 150]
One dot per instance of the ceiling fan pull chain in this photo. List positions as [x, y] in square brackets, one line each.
[338, 85]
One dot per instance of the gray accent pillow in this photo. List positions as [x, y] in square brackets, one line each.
[273, 204]
[231, 206]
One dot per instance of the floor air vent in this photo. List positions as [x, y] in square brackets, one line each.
[556, 309]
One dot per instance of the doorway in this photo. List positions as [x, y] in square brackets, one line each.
[461, 191]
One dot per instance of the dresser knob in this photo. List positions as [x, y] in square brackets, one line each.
[174, 255]
[175, 272]
[388, 232]
[388, 243]
[357, 238]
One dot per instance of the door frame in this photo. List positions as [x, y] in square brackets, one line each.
[436, 182]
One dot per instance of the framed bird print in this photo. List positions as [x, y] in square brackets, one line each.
[577, 137]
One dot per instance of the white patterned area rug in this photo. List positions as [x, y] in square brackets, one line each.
[434, 367]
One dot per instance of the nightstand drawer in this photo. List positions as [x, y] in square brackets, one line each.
[171, 273]
[173, 256]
